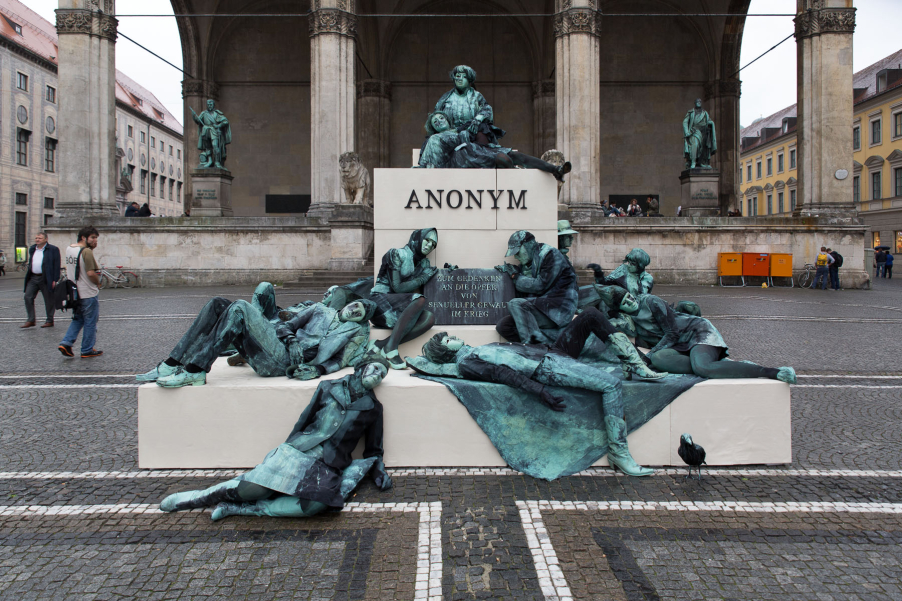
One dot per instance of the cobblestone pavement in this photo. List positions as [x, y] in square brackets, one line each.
[78, 520]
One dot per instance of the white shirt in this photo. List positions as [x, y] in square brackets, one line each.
[37, 261]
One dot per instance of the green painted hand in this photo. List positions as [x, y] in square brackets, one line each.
[302, 372]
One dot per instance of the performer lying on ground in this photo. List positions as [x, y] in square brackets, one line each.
[399, 307]
[684, 343]
[318, 340]
[312, 470]
[549, 290]
[449, 149]
[533, 367]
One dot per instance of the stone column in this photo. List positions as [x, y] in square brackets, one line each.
[195, 93]
[724, 94]
[544, 116]
[87, 109]
[823, 33]
[333, 31]
[373, 123]
[577, 25]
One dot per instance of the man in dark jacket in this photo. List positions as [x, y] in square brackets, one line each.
[43, 272]
[834, 268]
[132, 210]
[547, 287]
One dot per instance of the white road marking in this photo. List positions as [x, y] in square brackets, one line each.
[46, 386]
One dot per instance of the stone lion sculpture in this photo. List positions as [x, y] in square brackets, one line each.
[355, 179]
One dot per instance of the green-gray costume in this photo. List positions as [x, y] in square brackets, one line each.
[402, 272]
[324, 340]
[452, 150]
[312, 470]
[461, 109]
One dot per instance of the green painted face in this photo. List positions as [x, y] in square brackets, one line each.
[565, 242]
[372, 376]
[429, 243]
[460, 81]
[629, 304]
[523, 255]
[440, 123]
[452, 343]
[352, 312]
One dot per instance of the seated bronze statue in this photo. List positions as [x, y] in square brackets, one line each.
[312, 470]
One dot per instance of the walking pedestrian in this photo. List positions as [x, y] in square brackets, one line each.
[2, 263]
[834, 268]
[888, 266]
[879, 263]
[822, 262]
[80, 257]
[42, 274]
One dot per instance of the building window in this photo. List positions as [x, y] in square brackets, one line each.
[780, 206]
[770, 204]
[876, 132]
[21, 221]
[758, 170]
[897, 125]
[856, 138]
[898, 242]
[792, 200]
[178, 192]
[792, 159]
[875, 236]
[153, 142]
[50, 155]
[47, 219]
[740, 174]
[748, 210]
[749, 171]
[144, 181]
[876, 187]
[170, 150]
[48, 202]
[153, 184]
[178, 154]
[22, 81]
[143, 138]
[16, 27]
[51, 94]
[770, 166]
[22, 136]
[131, 132]
[897, 181]
[171, 186]
[21, 199]
[856, 189]
[162, 187]
[780, 163]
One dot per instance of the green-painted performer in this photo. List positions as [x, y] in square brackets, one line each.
[400, 307]
[533, 367]
[699, 138]
[547, 291]
[213, 135]
[318, 340]
[565, 238]
[446, 148]
[684, 343]
[467, 109]
[312, 470]
[629, 275]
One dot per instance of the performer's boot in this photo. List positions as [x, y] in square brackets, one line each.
[631, 362]
[618, 451]
[195, 499]
[282, 506]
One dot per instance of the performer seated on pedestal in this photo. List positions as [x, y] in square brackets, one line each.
[399, 307]
[684, 343]
[317, 340]
[532, 367]
[549, 290]
[312, 470]
[450, 149]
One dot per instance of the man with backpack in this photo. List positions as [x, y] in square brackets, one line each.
[822, 263]
[82, 269]
[834, 268]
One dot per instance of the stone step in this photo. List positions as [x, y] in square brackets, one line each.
[321, 279]
[237, 417]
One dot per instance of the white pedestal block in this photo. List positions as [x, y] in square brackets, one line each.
[237, 417]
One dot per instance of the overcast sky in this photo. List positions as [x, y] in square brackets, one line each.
[767, 86]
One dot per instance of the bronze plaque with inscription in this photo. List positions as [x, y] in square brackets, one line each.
[468, 296]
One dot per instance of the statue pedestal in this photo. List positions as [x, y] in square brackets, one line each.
[584, 213]
[352, 236]
[700, 192]
[212, 193]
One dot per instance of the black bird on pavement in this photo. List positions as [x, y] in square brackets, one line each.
[692, 454]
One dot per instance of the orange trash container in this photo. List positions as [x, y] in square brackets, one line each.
[729, 264]
[781, 267]
[755, 265]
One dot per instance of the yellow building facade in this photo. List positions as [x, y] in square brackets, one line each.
[768, 155]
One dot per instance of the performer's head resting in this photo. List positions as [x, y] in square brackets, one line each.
[637, 260]
[371, 370]
[358, 311]
[442, 348]
[437, 122]
[618, 299]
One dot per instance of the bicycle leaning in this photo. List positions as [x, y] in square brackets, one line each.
[806, 278]
[114, 279]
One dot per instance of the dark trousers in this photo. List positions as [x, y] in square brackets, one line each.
[35, 283]
[821, 275]
[573, 338]
[881, 270]
[887, 271]
[834, 277]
